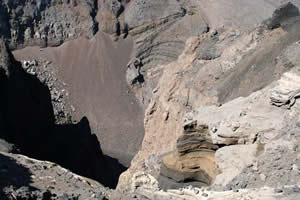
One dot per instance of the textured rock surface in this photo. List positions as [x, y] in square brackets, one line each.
[223, 80]
[25, 178]
[213, 76]
[46, 23]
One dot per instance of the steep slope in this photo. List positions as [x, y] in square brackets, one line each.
[27, 120]
[215, 68]
[94, 73]
[46, 23]
[219, 82]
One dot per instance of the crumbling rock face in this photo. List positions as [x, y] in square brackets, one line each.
[46, 23]
[221, 83]
[278, 165]
[193, 162]
[196, 137]
[46, 73]
[213, 84]
[152, 25]
[108, 16]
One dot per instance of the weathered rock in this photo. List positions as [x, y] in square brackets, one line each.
[47, 74]
[133, 74]
[46, 23]
[196, 168]
[196, 137]
[5, 146]
[287, 90]
[232, 160]
[281, 14]
[108, 13]
[152, 24]
[25, 178]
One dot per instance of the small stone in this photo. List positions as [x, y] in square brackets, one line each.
[278, 190]
[235, 126]
[263, 177]
[244, 185]
[155, 90]
[189, 187]
[255, 166]
[243, 113]
[214, 129]
[205, 194]
[296, 189]
[73, 108]
[295, 167]
[196, 191]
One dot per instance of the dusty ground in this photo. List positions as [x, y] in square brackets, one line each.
[94, 71]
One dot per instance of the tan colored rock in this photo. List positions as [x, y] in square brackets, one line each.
[197, 166]
[232, 160]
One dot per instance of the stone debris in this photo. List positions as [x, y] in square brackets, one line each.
[46, 73]
[46, 23]
[133, 74]
[48, 181]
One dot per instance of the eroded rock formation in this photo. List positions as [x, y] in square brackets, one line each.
[214, 77]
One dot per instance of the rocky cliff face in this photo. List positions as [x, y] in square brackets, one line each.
[231, 72]
[218, 80]
[46, 23]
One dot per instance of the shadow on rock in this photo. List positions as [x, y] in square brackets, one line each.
[74, 147]
[27, 120]
[12, 175]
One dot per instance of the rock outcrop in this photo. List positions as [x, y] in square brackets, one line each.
[220, 86]
[152, 25]
[26, 178]
[214, 78]
[46, 23]
[193, 162]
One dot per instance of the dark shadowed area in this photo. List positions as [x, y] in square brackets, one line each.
[94, 71]
[27, 120]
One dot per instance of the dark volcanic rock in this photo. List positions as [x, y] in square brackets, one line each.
[46, 22]
[281, 14]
